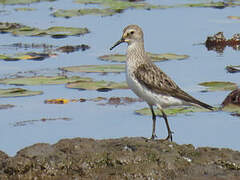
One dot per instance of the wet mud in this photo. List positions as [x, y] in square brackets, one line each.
[123, 158]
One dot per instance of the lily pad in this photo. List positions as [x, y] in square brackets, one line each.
[40, 80]
[14, 2]
[25, 9]
[154, 57]
[108, 68]
[27, 122]
[233, 69]
[27, 56]
[218, 86]
[6, 106]
[171, 111]
[234, 17]
[55, 31]
[232, 108]
[81, 12]
[18, 92]
[97, 85]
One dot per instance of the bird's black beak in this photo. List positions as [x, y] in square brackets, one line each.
[117, 43]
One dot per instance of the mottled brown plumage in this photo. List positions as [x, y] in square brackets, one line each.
[148, 81]
[149, 75]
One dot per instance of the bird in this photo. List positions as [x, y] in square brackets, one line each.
[149, 82]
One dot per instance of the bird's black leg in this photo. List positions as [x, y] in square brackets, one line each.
[154, 123]
[168, 128]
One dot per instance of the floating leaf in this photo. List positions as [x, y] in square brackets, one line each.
[69, 49]
[234, 109]
[18, 92]
[232, 98]
[27, 56]
[25, 9]
[219, 86]
[39, 80]
[55, 31]
[82, 12]
[154, 57]
[14, 2]
[110, 7]
[172, 111]
[97, 85]
[234, 17]
[233, 69]
[6, 106]
[27, 122]
[56, 101]
[107, 68]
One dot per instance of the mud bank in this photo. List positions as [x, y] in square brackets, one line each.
[123, 158]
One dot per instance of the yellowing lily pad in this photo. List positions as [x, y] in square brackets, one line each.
[27, 56]
[18, 92]
[106, 68]
[234, 17]
[172, 111]
[219, 86]
[55, 31]
[97, 85]
[40, 80]
[154, 57]
[56, 101]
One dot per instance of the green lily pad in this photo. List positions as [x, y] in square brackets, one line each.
[154, 57]
[40, 80]
[55, 31]
[219, 86]
[171, 111]
[82, 12]
[107, 68]
[233, 69]
[97, 85]
[14, 2]
[25, 9]
[18, 92]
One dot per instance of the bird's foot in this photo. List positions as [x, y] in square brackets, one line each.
[153, 136]
[169, 137]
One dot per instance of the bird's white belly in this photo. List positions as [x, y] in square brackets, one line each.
[149, 96]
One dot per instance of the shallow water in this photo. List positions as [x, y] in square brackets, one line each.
[175, 30]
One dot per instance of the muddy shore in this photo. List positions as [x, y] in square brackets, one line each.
[123, 158]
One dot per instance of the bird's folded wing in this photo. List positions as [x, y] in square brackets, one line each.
[158, 82]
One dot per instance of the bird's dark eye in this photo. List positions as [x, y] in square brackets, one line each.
[132, 32]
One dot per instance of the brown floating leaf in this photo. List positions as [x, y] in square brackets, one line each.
[18, 92]
[27, 122]
[232, 98]
[6, 106]
[218, 42]
[69, 49]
